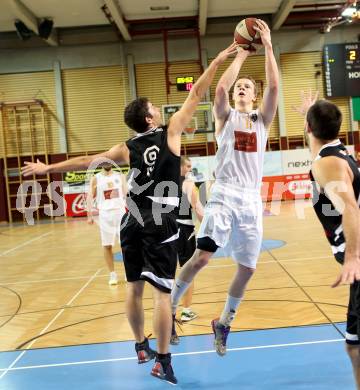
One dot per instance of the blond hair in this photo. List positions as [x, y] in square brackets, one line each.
[247, 77]
[183, 160]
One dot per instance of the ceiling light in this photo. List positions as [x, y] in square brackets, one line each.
[22, 31]
[45, 28]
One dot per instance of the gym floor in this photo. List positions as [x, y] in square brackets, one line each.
[61, 324]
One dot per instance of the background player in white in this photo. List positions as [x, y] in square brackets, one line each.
[109, 190]
[234, 210]
[146, 121]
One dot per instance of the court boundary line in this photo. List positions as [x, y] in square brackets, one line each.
[307, 294]
[173, 354]
[24, 244]
[55, 279]
[5, 371]
[236, 331]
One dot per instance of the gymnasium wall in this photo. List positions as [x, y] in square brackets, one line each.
[94, 101]
[152, 50]
[293, 82]
[151, 83]
[28, 86]
[96, 87]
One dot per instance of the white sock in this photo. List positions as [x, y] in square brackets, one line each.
[177, 292]
[228, 314]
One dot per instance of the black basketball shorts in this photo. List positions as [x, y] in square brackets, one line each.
[186, 243]
[353, 315]
[150, 251]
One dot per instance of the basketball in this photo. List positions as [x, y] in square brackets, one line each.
[246, 36]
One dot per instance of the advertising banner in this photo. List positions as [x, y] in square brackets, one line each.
[286, 187]
[295, 161]
[75, 204]
[203, 168]
[299, 160]
[272, 164]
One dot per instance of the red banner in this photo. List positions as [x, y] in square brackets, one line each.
[75, 205]
[286, 187]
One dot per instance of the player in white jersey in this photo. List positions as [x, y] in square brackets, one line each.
[109, 190]
[233, 213]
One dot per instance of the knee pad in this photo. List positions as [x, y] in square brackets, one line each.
[207, 244]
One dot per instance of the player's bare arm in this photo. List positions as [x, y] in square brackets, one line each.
[124, 185]
[182, 118]
[221, 103]
[270, 98]
[90, 199]
[118, 154]
[335, 176]
[189, 188]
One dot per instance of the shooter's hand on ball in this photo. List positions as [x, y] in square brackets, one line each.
[264, 32]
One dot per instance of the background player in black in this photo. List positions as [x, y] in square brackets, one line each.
[158, 161]
[336, 203]
[186, 243]
[190, 201]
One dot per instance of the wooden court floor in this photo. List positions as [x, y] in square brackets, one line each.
[54, 290]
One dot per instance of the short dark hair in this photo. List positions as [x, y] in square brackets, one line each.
[324, 119]
[135, 114]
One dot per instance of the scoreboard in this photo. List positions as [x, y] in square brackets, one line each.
[342, 69]
[184, 83]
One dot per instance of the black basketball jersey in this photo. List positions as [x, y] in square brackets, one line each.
[184, 211]
[331, 219]
[154, 170]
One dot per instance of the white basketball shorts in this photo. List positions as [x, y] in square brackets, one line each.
[109, 224]
[233, 218]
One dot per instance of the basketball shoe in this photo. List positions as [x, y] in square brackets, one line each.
[163, 370]
[144, 352]
[221, 333]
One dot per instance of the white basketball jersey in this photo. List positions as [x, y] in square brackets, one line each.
[241, 148]
[109, 193]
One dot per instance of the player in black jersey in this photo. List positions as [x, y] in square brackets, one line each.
[186, 243]
[190, 201]
[148, 236]
[336, 200]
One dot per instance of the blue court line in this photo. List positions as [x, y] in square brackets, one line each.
[118, 256]
[309, 357]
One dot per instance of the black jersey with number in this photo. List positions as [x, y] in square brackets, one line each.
[184, 212]
[154, 170]
[331, 219]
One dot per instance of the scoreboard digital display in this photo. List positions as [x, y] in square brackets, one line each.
[184, 83]
[342, 69]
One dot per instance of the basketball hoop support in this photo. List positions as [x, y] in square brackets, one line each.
[192, 32]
